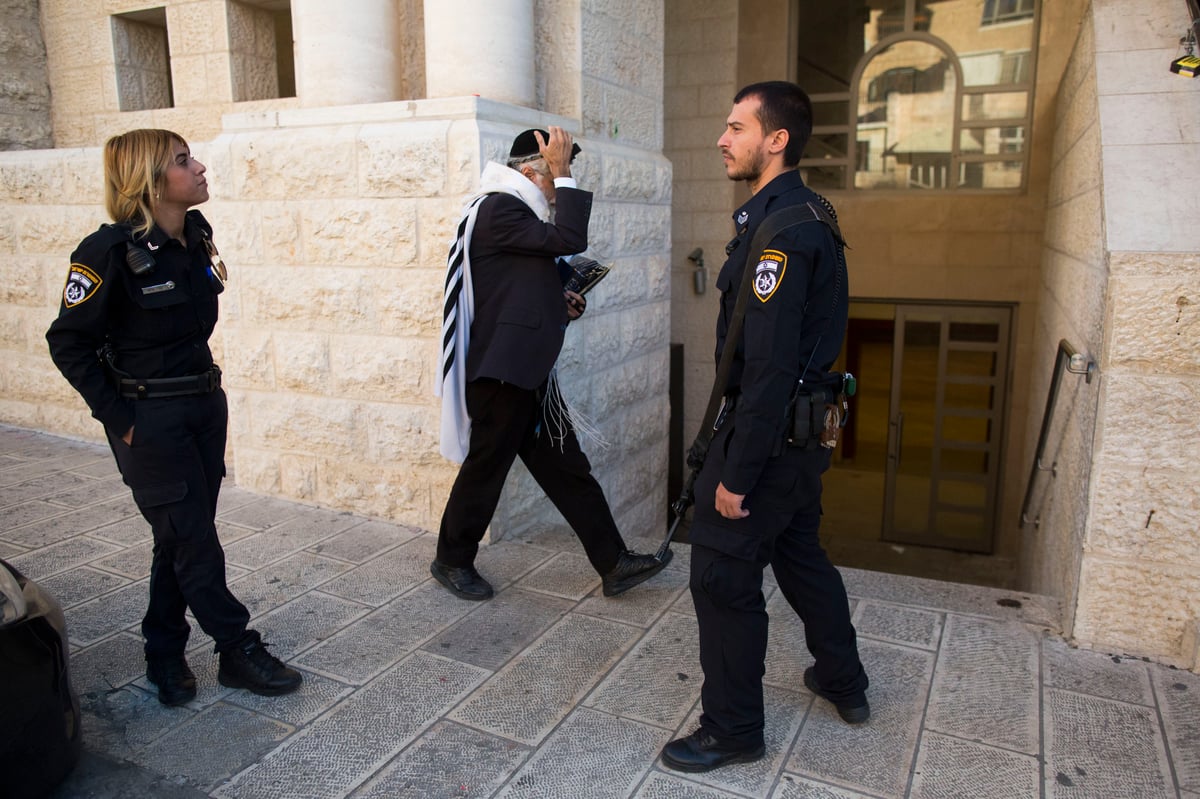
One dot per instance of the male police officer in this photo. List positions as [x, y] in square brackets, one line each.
[758, 496]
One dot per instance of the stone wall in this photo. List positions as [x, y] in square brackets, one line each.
[95, 74]
[1073, 288]
[142, 64]
[622, 71]
[25, 90]
[1116, 534]
[1140, 574]
[253, 58]
[700, 68]
[335, 225]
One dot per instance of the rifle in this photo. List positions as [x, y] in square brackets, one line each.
[775, 223]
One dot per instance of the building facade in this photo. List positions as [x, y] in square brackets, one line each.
[1012, 176]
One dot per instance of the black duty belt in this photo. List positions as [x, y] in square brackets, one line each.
[154, 388]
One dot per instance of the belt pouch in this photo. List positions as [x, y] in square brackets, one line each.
[802, 421]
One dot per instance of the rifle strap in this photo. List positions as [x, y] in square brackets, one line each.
[775, 223]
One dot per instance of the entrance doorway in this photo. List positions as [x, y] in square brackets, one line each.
[914, 487]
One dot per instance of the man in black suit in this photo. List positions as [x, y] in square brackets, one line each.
[503, 285]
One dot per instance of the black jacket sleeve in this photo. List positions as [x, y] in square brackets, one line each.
[508, 225]
[79, 332]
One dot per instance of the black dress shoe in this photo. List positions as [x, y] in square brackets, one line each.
[854, 710]
[701, 752]
[632, 569]
[175, 681]
[465, 583]
[252, 667]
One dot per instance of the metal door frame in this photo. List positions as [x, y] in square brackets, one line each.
[947, 313]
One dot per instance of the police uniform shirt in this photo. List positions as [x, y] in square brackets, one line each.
[157, 323]
[795, 317]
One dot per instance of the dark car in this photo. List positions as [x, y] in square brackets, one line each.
[40, 737]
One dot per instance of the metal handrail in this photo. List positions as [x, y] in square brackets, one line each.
[1070, 360]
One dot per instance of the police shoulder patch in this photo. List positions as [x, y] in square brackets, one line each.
[82, 283]
[769, 273]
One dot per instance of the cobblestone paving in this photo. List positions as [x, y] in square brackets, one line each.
[551, 690]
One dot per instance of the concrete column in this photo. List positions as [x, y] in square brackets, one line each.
[345, 52]
[480, 48]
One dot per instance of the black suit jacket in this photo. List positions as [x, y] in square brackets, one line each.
[520, 314]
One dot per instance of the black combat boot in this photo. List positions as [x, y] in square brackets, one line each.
[175, 681]
[251, 666]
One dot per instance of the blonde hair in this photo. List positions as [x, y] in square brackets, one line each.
[135, 166]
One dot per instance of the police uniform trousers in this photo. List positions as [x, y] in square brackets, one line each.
[175, 467]
[507, 422]
[726, 587]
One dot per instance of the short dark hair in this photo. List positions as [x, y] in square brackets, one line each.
[782, 106]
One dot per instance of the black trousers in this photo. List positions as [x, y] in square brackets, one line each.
[175, 467]
[507, 422]
[728, 558]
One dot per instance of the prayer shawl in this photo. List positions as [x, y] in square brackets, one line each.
[458, 309]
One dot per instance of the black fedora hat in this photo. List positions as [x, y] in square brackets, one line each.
[526, 145]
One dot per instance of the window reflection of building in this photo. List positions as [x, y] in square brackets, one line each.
[931, 94]
[995, 11]
[907, 113]
[891, 21]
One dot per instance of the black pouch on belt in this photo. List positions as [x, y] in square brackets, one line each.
[814, 419]
[804, 427]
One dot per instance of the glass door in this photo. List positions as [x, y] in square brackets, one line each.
[949, 369]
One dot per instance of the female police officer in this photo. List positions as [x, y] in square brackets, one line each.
[139, 305]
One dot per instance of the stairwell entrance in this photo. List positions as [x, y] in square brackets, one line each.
[920, 461]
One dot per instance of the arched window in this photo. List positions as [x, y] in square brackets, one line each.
[918, 94]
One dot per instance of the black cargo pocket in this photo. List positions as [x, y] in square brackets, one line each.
[733, 537]
[158, 495]
[776, 487]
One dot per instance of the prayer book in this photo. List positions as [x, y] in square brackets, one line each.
[580, 273]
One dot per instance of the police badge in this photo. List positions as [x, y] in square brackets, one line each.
[769, 273]
[82, 283]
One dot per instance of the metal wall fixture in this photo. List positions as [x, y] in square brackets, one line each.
[699, 274]
[1068, 360]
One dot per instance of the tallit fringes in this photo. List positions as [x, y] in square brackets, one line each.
[560, 418]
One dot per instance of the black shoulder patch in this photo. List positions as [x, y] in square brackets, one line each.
[81, 286]
[768, 274]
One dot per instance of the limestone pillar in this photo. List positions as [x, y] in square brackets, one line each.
[480, 48]
[346, 53]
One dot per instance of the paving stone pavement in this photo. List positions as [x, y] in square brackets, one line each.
[550, 689]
